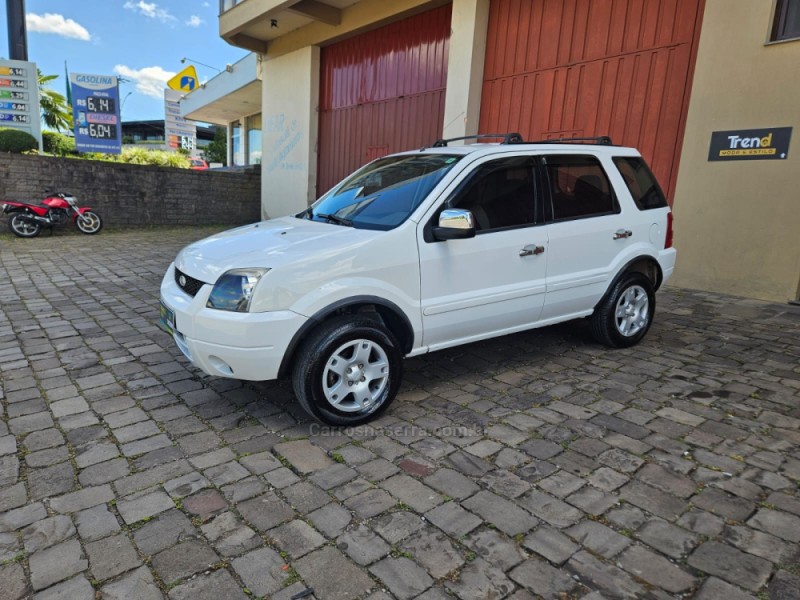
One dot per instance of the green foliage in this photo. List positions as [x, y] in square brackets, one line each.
[57, 143]
[158, 158]
[16, 141]
[56, 113]
[217, 151]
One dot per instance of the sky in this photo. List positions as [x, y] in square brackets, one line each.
[141, 41]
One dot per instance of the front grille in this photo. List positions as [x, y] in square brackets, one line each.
[191, 285]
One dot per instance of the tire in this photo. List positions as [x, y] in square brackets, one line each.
[89, 222]
[625, 314]
[334, 356]
[21, 226]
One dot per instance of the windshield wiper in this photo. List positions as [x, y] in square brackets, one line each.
[335, 219]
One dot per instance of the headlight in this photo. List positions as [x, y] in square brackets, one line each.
[234, 290]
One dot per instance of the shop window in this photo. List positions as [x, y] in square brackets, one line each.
[237, 144]
[787, 20]
[254, 140]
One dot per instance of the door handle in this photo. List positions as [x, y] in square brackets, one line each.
[621, 234]
[531, 249]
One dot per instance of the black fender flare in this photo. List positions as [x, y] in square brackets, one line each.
[385, 308]
[626, 268]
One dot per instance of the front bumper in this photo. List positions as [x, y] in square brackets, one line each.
[247, 346]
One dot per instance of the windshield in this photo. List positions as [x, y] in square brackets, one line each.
[382, 194]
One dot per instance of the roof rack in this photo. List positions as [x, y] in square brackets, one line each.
[508, 138]
[602, 140]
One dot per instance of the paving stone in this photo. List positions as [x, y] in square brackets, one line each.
[167, 530]
[655, 570]
[331, 519]
[12, 496]
[85, 498]
[261, 571]
[45, 438]
[759, 543]
[136, 431]
[229, 536]
[551, 510]
[76, 588]
[144, 507]
[29, 423]
[13, 582]
[716, 589]
[297, 538]
[620, 460]
[306, 497]
[434, 552]
[551, 544]
[669, 539]
[478, 581]
[138, 447]
[413, 493]
[452, 483]
[468, 464]
[453, 519]
[56, 564]
[561, 484]
[495, 548]
[183, 560]
[778, 523]
[396, 526]
[370, 503]
[505, 483]
[215, 457]
[378, 469]
[333, 476]
[212, 586]
[105, 472]
[265, 512]
[598, 538]
[503, 514]
[199, 443]
[653, 500]
[47, 532]
[592, 501]
[111, 556]
[611, 580]
[540, 578]
[404, 578]
[701, 522]
[51, 481]
[159, 474]
[304, 456]
[732, 565]
[20, 517]
[95, 523]
[186, 485]
[138, 585]
[666, 480]
[362, 545]
[244, 489]
[205, 503]
[784, 586]
[331, 575]
[260, 463]
[541, 449]
[8, 445]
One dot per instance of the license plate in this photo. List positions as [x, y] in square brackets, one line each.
[167, 320]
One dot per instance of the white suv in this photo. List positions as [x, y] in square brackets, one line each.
[420, 251]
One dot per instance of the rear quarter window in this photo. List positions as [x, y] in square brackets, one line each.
[641, 183]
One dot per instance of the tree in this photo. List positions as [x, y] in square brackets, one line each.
[56, 113]
[217, 150]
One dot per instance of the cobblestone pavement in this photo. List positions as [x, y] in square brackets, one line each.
[539, 464]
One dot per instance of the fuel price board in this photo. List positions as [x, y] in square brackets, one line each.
[19, 97]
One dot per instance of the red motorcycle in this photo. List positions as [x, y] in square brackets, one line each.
[27, 220]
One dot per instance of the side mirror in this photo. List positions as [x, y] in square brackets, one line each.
[454, 224]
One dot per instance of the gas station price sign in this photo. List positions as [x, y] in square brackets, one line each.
[95, 109]
[19, 97]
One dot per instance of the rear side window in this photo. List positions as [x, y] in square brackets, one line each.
[578, 187]
[641, 183]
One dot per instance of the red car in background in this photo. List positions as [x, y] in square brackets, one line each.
[198, 164]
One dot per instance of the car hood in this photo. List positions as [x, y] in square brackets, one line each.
[267, 244]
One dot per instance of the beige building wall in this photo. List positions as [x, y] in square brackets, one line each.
[289, 131]
[737, 223]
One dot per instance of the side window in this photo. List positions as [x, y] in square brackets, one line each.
[640, 181]
[500, 194]
[578, 187]
[786, 25]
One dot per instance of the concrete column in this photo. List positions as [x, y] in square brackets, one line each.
[462, 107]
[289, 132]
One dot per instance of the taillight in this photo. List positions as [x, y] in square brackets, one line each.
[668, 241]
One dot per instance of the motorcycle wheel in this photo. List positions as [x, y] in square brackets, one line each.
[21, 226]
[89, 222]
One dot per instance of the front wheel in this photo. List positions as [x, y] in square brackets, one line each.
[624, 316]
[348, 371]
[23, 226]
[89, 222]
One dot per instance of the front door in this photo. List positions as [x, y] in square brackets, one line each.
[493, 283]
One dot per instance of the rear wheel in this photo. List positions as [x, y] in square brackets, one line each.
[348, 371]
[89, 222]
[624, 316]
[23, 226]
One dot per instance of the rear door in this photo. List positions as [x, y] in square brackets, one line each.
[493, 283]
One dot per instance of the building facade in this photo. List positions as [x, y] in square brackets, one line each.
[346, 81]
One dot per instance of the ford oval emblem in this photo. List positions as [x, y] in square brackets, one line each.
[182, 280]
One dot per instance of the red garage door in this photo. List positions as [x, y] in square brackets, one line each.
[572, 68]
[382, 92]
